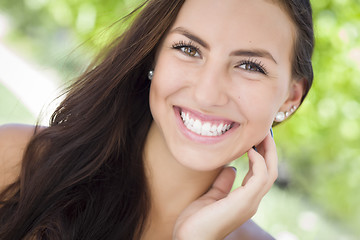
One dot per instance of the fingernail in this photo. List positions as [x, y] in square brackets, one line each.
[234, 168]
[272, 134]
[254, 148]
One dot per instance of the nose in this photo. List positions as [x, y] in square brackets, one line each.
[209, 88]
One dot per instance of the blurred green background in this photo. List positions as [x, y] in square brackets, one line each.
[317, 195]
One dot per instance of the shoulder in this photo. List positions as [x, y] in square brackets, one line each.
[13, 141]
[249, 231]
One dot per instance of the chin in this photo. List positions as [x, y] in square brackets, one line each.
[198, 160]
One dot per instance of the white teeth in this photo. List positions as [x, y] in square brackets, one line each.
[219, 128]
[205, 129]
[214, 128]
[197, 126]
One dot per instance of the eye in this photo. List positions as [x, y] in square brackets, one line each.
[252, 66]
[191, 51]
[187, 48]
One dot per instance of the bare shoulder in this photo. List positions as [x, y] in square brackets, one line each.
[13, 141]
[249, 231]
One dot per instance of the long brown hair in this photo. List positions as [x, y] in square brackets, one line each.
[83, 177]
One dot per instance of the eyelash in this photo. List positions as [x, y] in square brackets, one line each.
[254, 63]
[190, 45]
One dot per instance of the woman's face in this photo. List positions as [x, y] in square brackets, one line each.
[221, 74]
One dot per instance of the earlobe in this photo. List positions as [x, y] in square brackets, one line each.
[296, 93]
[281, 116]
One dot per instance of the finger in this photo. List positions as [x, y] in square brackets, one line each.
[247, 177]
[257, 164]
[245, 200]
[264, 168]
[222, 185]
[253, 189]
[248, 174]
[260, 147]
[268, 149]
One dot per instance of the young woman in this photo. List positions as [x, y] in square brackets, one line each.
[139, 147]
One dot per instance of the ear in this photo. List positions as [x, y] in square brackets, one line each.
[293, 101]
[296, 93]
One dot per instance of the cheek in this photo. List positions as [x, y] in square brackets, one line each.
[167, 76]
[257, 98]
[259, 102]
[167, 80]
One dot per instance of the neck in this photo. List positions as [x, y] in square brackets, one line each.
[172, 186]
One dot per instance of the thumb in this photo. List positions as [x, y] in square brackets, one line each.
[222, 184]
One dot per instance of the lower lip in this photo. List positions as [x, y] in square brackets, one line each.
[199, 138]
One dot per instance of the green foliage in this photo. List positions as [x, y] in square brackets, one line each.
[320, 145]
[72, 30]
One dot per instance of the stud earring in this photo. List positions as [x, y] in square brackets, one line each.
[281, 116]
[292, 109]
[150, 75]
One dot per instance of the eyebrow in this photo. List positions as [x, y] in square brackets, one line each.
[191, 36]
[254, 53]
[242, 52]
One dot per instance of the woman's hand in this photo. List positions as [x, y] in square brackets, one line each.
[218, 213]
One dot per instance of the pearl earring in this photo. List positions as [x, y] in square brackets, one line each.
[281, 116]
[150, 75]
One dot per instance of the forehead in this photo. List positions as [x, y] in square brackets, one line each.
[239, 23]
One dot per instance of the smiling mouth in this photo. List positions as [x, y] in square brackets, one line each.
[205, 127]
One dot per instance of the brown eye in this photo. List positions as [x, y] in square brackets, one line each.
[251, 66]
[187, 48]
[191, 51]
